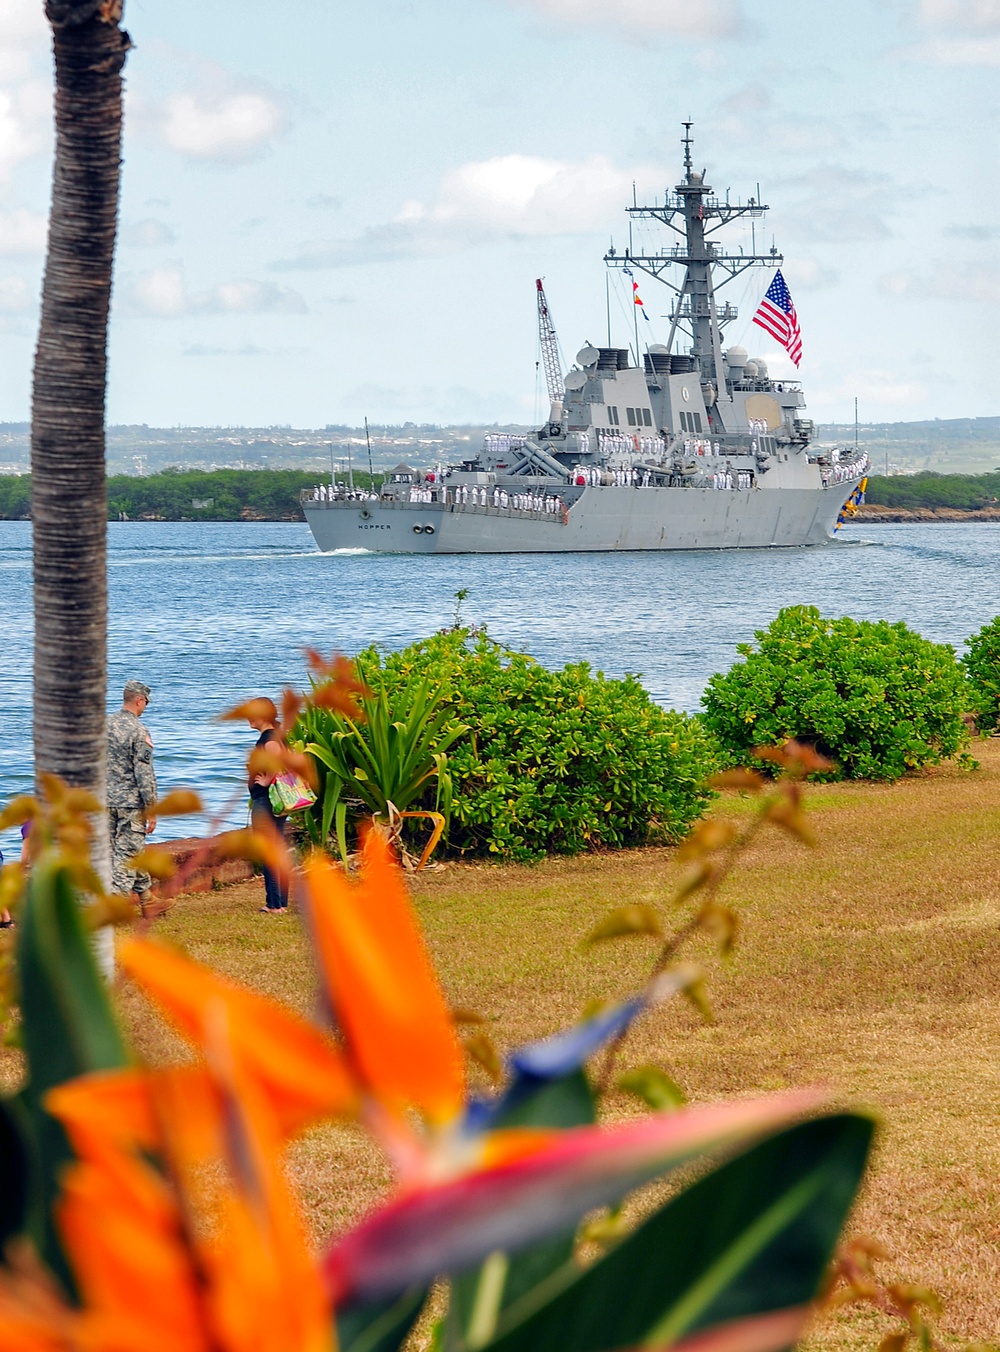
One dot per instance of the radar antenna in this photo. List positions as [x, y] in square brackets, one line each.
[549, 344]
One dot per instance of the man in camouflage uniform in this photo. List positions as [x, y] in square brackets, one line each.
[131, 790]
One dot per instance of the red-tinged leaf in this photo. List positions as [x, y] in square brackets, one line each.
[479, 1048]
[291, 706]
[760, 1333]
[748, 780]
[157, 863]
[636, 918]
[18, 811]
[706, 838]
[791, 819]
[253, 708]
[177, 803]
[453, 1226]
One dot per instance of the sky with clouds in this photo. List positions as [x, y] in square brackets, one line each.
[332, 210]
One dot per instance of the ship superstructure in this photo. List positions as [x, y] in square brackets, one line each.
[692, 446]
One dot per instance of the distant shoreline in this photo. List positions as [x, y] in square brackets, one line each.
[874, 513]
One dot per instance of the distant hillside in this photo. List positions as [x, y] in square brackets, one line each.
[956, 445]
[947, 445]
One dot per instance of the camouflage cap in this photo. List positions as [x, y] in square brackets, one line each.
[134, 688]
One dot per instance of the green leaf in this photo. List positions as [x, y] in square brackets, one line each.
[383, 1327]
[68, 1026]
[15, 1167]
[654, 1087]
[752, 1237]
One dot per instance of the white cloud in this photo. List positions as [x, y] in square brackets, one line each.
[831, 204]
[961, 33]
[512, 196]
[228, 127]
[16, 296]
[977, 15]
[25, 100]
[247, 297]
[976, 282]
[874, 389]
[162, 294]
[22, 232]
[148, 234]
[699, 19]
[943, 51]
[159, 292]
[808, 274]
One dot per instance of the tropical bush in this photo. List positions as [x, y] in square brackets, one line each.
[379, 760]
[876, 698]
[543, 761]
[982, 667]
[150, 1206]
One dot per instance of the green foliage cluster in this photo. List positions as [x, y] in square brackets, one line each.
[15, 496]
[982, 666]
[550, 761]
[876, 698]
[392, 755]
[269, 493]
[964, 492]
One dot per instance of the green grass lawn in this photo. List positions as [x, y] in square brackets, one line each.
[870, 965]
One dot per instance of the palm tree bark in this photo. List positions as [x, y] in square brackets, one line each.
[68, 503]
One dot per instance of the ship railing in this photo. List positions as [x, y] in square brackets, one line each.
[845, 470]
[442, 499]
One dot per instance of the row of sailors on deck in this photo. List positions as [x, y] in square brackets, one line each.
[329, 493]
[725, 478]
[524, 502]
[838, 474]
[501, 442]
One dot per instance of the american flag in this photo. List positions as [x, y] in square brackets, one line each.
[776, 314]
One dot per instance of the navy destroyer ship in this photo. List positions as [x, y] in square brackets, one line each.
[693, 446]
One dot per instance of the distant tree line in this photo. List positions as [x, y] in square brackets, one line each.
[190, 495]
[273, 494]
[964, 492]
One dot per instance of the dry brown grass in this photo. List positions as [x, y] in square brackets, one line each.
[870, 965]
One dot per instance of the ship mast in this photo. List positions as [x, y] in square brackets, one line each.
[694, 213]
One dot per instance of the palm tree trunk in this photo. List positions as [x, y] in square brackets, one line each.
[68, 504]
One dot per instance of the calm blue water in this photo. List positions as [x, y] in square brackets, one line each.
[209, 615]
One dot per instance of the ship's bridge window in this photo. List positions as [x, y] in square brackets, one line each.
[630, 415]
[612, 416]
[647, 417]
[690, 422]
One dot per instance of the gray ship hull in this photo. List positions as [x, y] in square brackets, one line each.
[602, 519]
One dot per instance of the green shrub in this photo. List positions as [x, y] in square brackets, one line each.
[389, 756]
[875, 697]
[552, 761]
[982, 666]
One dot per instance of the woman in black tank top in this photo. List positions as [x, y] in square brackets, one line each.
[262, 816]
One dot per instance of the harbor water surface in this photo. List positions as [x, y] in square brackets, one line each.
[210, 614]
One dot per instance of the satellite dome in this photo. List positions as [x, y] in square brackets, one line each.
[660, 349]
[697, 176]
[751, 368]
[736, 356]
[761, 366]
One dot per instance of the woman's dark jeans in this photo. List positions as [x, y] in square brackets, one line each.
[262, 818]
